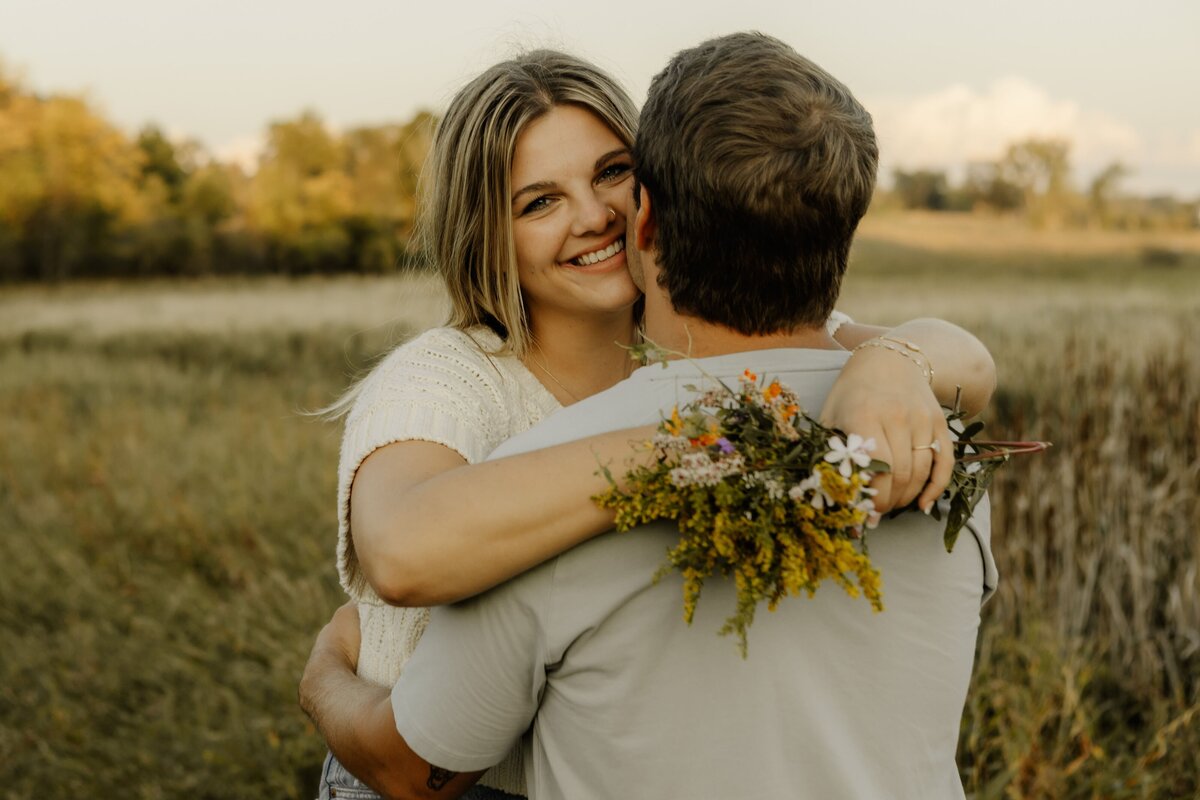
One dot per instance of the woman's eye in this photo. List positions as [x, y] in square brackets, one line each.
[614, 172]
[535, 205]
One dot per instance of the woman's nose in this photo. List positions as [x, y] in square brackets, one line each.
[593, 215]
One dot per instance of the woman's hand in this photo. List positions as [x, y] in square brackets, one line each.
[883, 396]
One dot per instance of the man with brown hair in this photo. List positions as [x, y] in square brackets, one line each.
[755, 166]
[755, 157]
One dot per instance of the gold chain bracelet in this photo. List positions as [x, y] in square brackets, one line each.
[905, 348]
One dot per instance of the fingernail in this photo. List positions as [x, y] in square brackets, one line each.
[928, 509]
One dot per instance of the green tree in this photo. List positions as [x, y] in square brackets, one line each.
[1103, 191]
[985, 187]
[301, 195]
[68, 181]
[922, 189]
[161, 159]
[383, 164]
[1041, 169]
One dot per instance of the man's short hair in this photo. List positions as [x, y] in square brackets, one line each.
[759, 165]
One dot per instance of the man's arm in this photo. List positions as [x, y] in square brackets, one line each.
[357, 721]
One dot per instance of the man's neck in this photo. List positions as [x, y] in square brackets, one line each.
[695, 338]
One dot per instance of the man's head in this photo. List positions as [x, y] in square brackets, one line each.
[758, 166]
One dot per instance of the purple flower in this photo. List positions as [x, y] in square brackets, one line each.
[725, 445]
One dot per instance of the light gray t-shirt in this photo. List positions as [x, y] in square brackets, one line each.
[625, 700]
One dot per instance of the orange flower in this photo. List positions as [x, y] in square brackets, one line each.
[749, 376]
[773, 390]
[790, 411]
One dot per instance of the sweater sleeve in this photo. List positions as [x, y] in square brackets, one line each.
[836, 320]
[440, 387]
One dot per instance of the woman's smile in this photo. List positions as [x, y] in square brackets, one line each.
[569, 216]
[603, 258]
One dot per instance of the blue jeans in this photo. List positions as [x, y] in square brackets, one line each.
[337, 782]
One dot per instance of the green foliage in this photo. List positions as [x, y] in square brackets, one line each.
[986, 187]
[79, 199]
[160, 160]
[1032, 180]
[922, 189]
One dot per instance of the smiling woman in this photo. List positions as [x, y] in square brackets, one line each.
[529, 195]
[569, 235]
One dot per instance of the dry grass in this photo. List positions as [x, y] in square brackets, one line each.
[167, 522]
[975, 233]
[276, 305]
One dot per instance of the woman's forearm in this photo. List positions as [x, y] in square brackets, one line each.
[958, 358]
[461, 530]
[430, 529]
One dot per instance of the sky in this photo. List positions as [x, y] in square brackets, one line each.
[946, 82]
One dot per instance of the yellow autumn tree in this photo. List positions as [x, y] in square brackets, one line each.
[66, 178]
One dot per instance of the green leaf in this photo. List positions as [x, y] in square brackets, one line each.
[971, 430]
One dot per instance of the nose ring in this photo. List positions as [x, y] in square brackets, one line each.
[612, 213]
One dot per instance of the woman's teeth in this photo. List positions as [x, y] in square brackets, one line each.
[591, 258]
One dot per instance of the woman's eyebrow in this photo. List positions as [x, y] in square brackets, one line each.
[609, 156]
[540, 186]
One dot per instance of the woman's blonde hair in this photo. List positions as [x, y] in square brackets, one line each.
[465, 227]
[465, 223]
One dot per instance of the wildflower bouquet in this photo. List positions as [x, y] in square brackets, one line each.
[766, 494]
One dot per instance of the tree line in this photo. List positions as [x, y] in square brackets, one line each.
[1032, 179]
[81, 198]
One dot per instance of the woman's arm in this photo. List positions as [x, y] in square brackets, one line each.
[958, 358]
[885, 395]
[430, 529]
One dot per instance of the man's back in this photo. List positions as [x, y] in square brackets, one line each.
[833, 700]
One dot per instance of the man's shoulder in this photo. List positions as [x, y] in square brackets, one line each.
[625, 405]
[643, 396]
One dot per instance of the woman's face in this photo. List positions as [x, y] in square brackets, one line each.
[572, 181]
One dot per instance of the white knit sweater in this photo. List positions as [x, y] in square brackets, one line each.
[440, 387]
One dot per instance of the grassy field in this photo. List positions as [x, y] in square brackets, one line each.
[167, 526]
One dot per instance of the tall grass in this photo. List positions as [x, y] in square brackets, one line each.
[167, 524]
[1088, 677]
[1087, 682]
[167, 532]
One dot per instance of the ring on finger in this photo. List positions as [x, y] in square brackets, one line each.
[935, 446]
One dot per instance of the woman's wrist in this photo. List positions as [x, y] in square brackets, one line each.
[901, 347]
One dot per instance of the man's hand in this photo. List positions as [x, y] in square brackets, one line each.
[335, 650]
[883, 396]
[355, 718]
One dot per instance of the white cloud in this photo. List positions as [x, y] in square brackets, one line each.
[947, 128]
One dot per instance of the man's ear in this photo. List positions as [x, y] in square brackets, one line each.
[644, 227]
